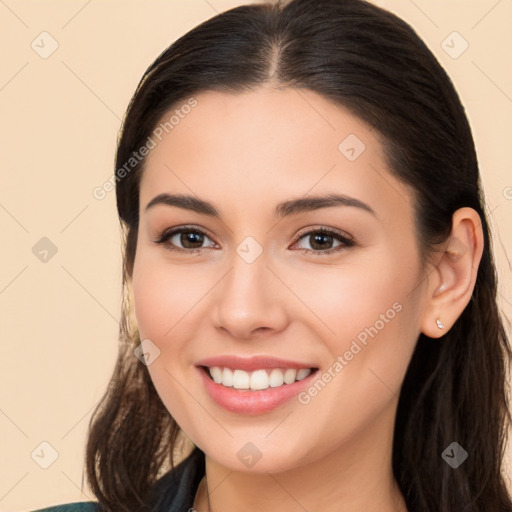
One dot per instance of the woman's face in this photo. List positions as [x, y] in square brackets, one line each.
[268, 281]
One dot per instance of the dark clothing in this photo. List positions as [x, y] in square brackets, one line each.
[173, 492]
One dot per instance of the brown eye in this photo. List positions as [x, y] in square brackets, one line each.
[321, 241]
[193, 238]
[190, 239]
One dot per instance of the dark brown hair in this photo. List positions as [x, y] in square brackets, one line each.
[373, 63]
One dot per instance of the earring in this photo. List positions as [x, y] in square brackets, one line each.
[439, 324]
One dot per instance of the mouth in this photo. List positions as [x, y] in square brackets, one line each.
[254, 392]
[257, 380]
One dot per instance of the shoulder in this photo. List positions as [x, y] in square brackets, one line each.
[173, 492]
[82, 506]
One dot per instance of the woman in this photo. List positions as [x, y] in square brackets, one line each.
[310, 318]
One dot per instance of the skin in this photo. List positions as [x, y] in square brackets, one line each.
[245, 153]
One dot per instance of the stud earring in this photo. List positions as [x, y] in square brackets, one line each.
[439, 324]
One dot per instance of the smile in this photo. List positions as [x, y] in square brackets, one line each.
[258, 379]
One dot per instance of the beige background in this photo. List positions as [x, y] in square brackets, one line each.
[59, 122]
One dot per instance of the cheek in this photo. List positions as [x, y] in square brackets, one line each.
[161, 301]
[163, 294]
[348, 299]
[153, 304]
[367, 313]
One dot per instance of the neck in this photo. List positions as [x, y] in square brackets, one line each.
[356, 476]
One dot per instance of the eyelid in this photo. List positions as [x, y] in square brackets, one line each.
[345, 238]
[324, 229]
[163, 237]
[186, 227]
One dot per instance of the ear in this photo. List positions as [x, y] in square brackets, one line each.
[451, 283]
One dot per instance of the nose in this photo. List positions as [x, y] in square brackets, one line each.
[250, 299]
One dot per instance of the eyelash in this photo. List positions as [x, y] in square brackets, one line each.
[346, 241]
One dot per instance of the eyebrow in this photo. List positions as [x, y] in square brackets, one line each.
[283, 209]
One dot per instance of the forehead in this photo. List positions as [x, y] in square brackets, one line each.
[275, 119]
[265, 146]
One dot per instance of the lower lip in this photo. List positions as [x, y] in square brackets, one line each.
[243, 401]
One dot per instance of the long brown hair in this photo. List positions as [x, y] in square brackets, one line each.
[373, 63]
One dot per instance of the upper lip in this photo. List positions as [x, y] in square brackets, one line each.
[251, 363]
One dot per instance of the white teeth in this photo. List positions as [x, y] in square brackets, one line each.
[303, 373]
[216, 374]
[258, 379]
[241, 379]
[276, 378]
[289, 375]
[227, 377]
